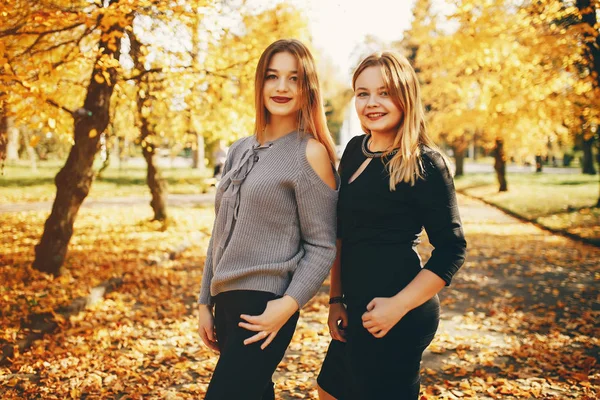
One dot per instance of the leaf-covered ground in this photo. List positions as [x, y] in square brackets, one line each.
[520, 320]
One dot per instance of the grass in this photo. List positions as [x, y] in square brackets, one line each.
[563, 202]
[19, 184]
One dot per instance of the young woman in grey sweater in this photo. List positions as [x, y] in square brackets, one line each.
[273, 241]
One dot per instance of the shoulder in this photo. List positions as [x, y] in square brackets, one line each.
[318, 160]
[243, 142]
[239, 144]
[352, 147]
[316, 152]
[355, 142]
[434, 163]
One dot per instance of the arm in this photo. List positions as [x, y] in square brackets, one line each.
[317, 199]
[436, 198]
[206, 326]
[337, 311]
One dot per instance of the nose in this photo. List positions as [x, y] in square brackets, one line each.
[372, 101]
[282, 85]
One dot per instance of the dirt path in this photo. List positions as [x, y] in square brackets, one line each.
[174, 200]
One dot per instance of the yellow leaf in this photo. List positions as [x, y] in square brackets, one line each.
[34, 141]
[93, 133]
[52, 123]
[99, 78]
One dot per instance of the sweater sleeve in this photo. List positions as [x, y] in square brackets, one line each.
[317, 204]
[436, 199]
[204, 296]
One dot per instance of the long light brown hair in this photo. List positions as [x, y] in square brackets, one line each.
[312, 114]
[402, 84]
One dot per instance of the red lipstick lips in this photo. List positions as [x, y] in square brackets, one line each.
[278, 99]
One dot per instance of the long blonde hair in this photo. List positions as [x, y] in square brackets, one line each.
[312, 114]
[402, 84]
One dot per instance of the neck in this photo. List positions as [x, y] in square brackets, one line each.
[381, 141]
[280, 125]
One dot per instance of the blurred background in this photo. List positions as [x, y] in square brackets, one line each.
[106, 105]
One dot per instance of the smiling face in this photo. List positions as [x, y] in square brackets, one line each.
[374, 106]
[281, 94]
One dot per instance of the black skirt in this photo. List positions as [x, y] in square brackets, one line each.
[368, 368]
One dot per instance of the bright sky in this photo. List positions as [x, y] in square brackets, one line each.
[338, 26]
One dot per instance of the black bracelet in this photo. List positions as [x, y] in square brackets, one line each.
[336, 300]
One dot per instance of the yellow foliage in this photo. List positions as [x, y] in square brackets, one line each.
[502, 71]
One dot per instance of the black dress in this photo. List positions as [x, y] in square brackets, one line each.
[380, 230]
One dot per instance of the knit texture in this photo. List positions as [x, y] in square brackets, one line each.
[275, 226]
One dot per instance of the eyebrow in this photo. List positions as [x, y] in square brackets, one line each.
[274, 70]
[362, 88]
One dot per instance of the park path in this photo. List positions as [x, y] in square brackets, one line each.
[174, 200]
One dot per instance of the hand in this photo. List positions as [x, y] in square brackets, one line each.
[337, 315]
[382, 314]
[206, 327]
[268, 324]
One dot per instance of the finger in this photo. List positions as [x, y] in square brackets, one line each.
[366, 316]
[256, 338]
[254, 319]
[340, 335]
[213, 346]
[374, 329]
[380, 334]
[207, 342]
[210, 333]
[371, 305]
[344, 319]
[369, 324]
[335, 334]
[269, 340]
[250, 327]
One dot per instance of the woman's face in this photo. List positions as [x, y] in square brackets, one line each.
[374, 105]
[281, 87]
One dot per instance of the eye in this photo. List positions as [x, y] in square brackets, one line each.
[361, 94]
[294, 79]
[271, 76]
[384, 93]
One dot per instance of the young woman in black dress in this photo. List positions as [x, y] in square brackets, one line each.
[384, 307]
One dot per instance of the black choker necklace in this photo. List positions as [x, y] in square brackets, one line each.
[374, 154]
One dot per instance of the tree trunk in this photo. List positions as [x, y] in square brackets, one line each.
[589, 11]
[12, 147]
[29, 150]
[198, 153]
[156, 184]
[589, 17]
[500, 165]
[459, 147]
[106, 161]
[587, 164]
[74, 180]
[538, 163]
[3, 134]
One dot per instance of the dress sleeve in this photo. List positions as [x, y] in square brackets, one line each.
[436, 201]
[204, 296]
[317, 204]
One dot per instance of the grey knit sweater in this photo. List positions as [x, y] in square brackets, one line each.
[275, 226]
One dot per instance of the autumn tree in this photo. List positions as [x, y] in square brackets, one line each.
[74, 180]
[504, 74]
[588, 28]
